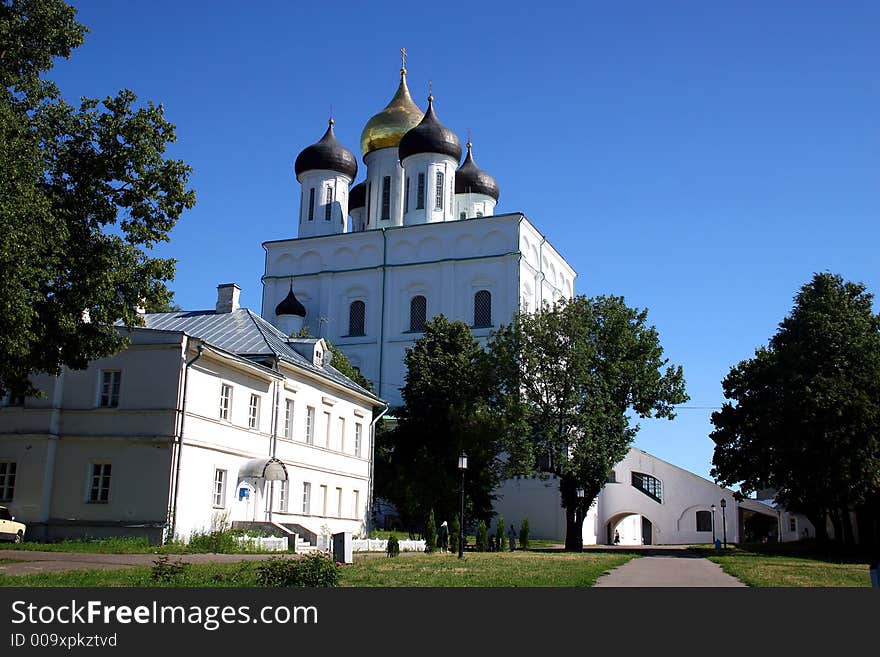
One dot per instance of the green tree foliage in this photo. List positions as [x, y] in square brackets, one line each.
[500, 533]
[524, 534]
[571, 374]
[85, 194]
[454, 533]
[446, 412]
[482, 537]
[430, 533]
[804, 412]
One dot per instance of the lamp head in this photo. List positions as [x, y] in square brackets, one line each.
[723, 503]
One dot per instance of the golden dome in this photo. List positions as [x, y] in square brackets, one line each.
[387, 127]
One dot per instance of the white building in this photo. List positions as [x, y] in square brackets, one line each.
[423, 240]
[208, 418]
[648, 501]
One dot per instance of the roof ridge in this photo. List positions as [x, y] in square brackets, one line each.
[262, 333]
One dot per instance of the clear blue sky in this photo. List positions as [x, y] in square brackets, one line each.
[701, 159]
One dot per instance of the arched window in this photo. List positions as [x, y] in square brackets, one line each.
[482, 309]
[418, 310]
[704, 521]
[649, 485]
[357, 312]
[438, 191]
[328, 207]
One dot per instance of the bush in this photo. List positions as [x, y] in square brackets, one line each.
[393, 547]
[482, 540]
[454, 534]
[430, 533]
[165, 571]
[221, 541]
[313, 570]
[499, 534]
[524, 534]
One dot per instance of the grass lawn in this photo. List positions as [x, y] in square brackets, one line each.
[220, 542]
[510, 569]
[778, 566]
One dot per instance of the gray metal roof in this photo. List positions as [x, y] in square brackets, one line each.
[245, 334]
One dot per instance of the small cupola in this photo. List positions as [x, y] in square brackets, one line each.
[430, 136]
[471, 179]
[326, 154]
[290, 313]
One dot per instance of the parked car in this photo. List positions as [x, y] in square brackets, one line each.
[9, 529]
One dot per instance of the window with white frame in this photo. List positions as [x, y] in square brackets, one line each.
[418, 311]
[310, 425]
[283, 495]
[312, 204]
[406, 195]
[307, 498]
[386, 197]
[355, 503]
[254, 412]
[99, 483]
[328, 206]
[323, 500]
[357, 313]
[704, 521]
[327, 433]
[110, 380]
[358, 429]
[483, 309]
[225, 401]
[420, 192]
[7, 480]
[342, 434]
[288, 419]
[219, 489]
[438, 191]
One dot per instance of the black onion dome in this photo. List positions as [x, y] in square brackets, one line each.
[430, 136]
[471, 179]
[290, 305]
[327, 154]
[357, 197]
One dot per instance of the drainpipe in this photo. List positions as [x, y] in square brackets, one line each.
[372, 461]
[382, 311]
[179, 441]
[274, 437]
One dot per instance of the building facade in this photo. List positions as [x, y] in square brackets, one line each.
[207, 419]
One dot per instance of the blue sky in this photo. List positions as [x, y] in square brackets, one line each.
[701, 159]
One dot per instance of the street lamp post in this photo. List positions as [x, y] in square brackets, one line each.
[724, 520]
[713, 525]
[462, 465]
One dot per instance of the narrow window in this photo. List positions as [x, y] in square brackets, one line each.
[327, 435]
[452, 198]
[357, 312]
[386, 197]
[792, 524]
[342, 434]
[312, 204]
[110, 380]
[225, 401]
[420, 192]
[438, 191]
[254, 412]
[358, 428]
[482, 309]
[219, 489]
[323, 500]
[328, 206]
[355, 503]
[283, 495]
[310, 425]
[369, 200]
[338, 502]
[99, 488]
[462, 215]
[406, 195]
[307, 497]
[704, 521]
[288, 419]
[418, 309]
[7, 481]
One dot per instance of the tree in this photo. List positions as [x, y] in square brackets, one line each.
[85, 194]
[430, 533]
[445, 413]
[804, 412]
[340, 361]
[571, 373]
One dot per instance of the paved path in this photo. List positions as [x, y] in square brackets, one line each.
[27, 562]
[670, 567]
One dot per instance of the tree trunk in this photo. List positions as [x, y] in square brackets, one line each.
[837, 525]
[846, 520]
[818, 520]
[574, 523]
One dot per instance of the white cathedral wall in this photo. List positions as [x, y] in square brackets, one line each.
[430, 164]
[381, 163]
[320, 180]
[474, 206]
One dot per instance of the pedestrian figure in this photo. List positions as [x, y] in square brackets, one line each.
[444, 536]
[616, 537]
[511, 538]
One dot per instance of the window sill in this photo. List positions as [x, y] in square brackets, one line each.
[97, 501]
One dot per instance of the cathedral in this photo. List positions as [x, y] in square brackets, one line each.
[373, 261]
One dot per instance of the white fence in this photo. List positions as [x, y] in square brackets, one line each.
[267, 543]
[380, 545]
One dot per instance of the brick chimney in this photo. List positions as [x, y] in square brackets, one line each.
[227, 297]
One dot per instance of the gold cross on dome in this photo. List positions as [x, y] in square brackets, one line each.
[403, 57]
